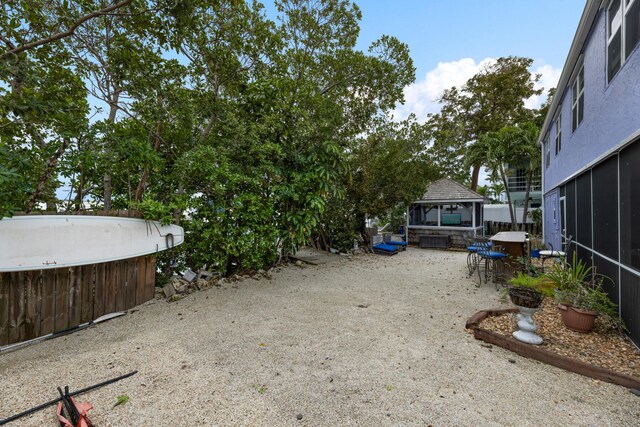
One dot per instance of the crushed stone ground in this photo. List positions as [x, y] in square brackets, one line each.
[367, 341]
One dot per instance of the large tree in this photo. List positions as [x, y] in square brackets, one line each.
[492, 99]
[207, 112]
[509, 146]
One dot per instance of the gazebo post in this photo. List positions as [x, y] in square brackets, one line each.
[473, 217]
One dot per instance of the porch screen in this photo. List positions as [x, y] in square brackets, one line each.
[570, 210]
[630, 206]
[583, 206]
[605, 207]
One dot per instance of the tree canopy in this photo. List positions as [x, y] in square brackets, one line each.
[255, 133]
[490, 100]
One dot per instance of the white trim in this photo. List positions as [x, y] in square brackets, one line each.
[406, 230]
[562, 209]
[433, 227]
[625, 7]
[592, 225]
[577, 91]
[543, 200]
[473, 215]
[448, 201]
[611, 260]
[609, 39]
[619, 238]
[558, 135]
[546, 152]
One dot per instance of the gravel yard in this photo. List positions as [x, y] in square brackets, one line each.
[368, 341]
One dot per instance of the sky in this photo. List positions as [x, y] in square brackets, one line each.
[449, 40]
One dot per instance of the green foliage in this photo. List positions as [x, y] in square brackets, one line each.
[388, 169]
[13, 185]
[579, 286]
[157, 210]
[536, 217]
[264, 135]
[490, 100]
[569, 275]
[511, 145]
[539, 283]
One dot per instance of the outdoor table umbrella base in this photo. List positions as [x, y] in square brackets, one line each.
[527, 326]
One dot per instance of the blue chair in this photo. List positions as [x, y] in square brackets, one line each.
[381, 248]
[472, 252]
[492, 256]
[401, 246]
[384, 249]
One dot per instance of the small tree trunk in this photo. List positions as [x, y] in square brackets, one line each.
[512, 214]
[44, 178]
[475, 174]
[79, 192]
[145, 173]
[526, 200]
[106, 182]
[113, 109]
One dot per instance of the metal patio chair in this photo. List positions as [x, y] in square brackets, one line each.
[555, 255]
[493, 257]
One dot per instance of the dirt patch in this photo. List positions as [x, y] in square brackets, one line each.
[602, 347]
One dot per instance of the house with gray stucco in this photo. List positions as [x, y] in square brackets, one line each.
[590, 143]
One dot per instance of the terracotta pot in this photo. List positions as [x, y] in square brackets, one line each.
[576, 319]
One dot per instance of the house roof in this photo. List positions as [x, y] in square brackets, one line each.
[589, 15]
[446, 189]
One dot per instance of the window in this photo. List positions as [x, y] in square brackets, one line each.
[623, 33]
[547, 148]
[577, 102]
[456, 215]
[558, 133]
[614, 39]
[632, 26]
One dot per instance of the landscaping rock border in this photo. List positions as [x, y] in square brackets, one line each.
[541, 355]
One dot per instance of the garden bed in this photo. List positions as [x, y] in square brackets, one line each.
[603, 354]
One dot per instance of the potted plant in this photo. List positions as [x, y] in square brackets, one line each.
[525, 290]
[580, 296]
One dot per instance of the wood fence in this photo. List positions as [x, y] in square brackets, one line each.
[494, 227]
[39, 302]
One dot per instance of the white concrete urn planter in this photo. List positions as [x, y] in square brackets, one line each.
[527, 327]
[528, 302]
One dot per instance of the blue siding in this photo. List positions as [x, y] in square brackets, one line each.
[611, 117]
[611, 111]
[552, 218]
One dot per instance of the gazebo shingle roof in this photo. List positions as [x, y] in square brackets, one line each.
[447, 189]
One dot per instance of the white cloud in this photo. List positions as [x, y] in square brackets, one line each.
[549, 77]
[421, 98]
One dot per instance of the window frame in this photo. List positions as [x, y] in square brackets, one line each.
[558, 135]
[577, 94]
[625, 7]
[547, 152]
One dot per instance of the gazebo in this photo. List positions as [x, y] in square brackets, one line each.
[444, 215]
